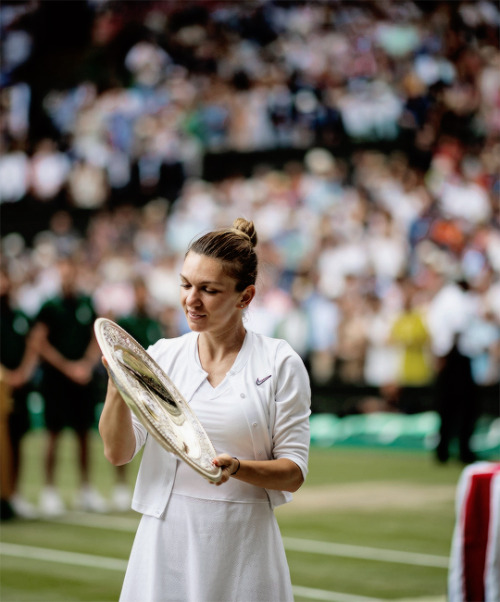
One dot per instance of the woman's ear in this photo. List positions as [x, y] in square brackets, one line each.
[246, 296]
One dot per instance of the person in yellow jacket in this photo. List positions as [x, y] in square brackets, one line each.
[411, 335]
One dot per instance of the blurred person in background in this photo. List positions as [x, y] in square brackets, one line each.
[381, 360]
[18, 360]
[352, 333]
[481, 339]
[323, 318]
[6, 469]
[457, 397]
[293, 326]
[64, 338]
[141, 323]
[410, 335]
[449, 315]
[49, 169]
[252, 395]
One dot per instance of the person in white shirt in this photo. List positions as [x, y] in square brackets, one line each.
[197, 542]
[450, 314]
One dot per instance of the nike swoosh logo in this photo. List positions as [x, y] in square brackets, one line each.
[259, 381]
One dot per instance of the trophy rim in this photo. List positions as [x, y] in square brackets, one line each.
[147, 407]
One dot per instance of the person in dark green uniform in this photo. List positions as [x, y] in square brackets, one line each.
[18, 360]
[141, 324]
[65, 341]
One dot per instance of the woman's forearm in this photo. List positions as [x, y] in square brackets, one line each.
[115, 428]
[282, 474]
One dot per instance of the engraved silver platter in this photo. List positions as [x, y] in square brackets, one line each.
[155, 400]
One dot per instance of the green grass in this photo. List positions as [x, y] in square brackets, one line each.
[425, 530]
[350, 465]
[405, 531]
[49, 582]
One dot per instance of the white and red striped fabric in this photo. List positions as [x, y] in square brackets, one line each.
[474, 574]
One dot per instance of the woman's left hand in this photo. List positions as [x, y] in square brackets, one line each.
[228, 464]
[282, 474]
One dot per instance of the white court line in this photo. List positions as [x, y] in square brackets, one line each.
[98, 521]
[292, 544]
[364, 552]
[117, 564]
[63, 557]
[326, 596]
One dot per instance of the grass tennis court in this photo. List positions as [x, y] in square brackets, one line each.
[369, 525]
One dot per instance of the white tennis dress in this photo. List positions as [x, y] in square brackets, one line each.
[214, 543]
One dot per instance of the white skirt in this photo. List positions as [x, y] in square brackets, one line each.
[208, 551]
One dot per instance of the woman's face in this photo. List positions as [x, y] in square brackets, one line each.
[208, 296]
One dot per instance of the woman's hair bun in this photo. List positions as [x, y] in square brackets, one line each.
[248, 228]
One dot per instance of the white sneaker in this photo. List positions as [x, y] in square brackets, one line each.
[122, 498]
[90, 500]
[51, 504]
[22, 507]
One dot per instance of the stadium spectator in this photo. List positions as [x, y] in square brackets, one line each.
[411, 335]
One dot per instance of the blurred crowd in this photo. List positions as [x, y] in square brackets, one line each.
[364, 274]
[351, 245]
[153, 86]
[379, 242]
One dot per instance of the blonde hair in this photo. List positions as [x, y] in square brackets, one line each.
[235, 248]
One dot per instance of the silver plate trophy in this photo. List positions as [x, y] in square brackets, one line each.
[155, 400]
